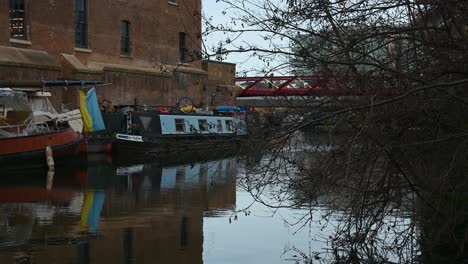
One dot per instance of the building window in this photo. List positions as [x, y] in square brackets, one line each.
[229, 126]
[203, 125]
[219, 126]
[18, 19]
[180, 125]
[81, 24]
[182, 48]
[125, 37]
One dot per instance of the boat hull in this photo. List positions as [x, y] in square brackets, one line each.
[30, 150]
[167, 146]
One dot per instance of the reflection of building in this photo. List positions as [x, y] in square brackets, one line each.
[150, 214]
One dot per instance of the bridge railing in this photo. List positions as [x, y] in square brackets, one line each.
[18, 130]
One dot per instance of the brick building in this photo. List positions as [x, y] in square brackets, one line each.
[149, 50]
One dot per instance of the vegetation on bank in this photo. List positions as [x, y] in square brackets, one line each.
[404, 153]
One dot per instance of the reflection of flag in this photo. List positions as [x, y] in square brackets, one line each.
[90, 113]
[91, 211]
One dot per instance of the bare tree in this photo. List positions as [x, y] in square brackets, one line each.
[400, 156]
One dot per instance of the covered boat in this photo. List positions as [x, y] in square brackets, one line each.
[24, 137]
[159, 133]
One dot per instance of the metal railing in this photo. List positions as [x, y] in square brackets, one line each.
[28, 128]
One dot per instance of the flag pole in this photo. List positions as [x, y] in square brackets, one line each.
[49, 83]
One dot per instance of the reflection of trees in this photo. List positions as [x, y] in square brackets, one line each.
[383, 204]
[394, 184]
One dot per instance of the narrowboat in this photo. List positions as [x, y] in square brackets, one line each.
[161, 133]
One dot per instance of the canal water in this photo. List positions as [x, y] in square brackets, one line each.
[98, 211]
[213, 208]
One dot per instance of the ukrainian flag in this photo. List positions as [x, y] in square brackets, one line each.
[90, 112]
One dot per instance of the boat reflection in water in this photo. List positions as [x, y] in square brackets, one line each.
[143, 213]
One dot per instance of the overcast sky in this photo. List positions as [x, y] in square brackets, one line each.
[244, 63]
[215, 10]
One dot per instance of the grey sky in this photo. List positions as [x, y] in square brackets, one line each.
[215, 10]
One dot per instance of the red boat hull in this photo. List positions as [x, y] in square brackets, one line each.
[31, 149]
[34, 194]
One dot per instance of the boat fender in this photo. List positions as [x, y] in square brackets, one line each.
[50, 179]
[50, 158]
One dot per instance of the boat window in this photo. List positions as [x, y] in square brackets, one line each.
[203, 125]
[219, 126]
[180, 172]
[180, 125]
[2, 111]
[229, 126]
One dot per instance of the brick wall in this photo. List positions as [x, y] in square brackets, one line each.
[124, 88]
[154, 33]
[221, 72]
[154, 29]
[220, 83]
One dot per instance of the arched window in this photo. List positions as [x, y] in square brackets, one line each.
[125, 37]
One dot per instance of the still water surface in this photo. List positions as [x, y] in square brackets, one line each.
[98, 211]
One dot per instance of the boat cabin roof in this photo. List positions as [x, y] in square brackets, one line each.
[14, 100]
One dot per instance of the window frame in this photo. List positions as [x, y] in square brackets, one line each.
[81, 24]
[11, 16]
[203, 125]
[125, 37]
[229, 125]
[219, 125]
[179, 124]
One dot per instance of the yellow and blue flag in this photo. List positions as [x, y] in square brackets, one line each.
[90, 112]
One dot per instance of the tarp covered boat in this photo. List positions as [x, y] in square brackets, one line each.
[23, 139]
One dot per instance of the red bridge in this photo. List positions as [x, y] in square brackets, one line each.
[311, 86]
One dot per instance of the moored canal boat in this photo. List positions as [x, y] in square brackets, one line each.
[23, 139]
[158, 133]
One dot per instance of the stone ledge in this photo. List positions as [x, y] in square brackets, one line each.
[27, 58]
[126, 56]
[100, 66]
[95, 67]
[184, 69]
[164, 71]
[20, 41]
[218, 62]
[77, 66]
[83, 50]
